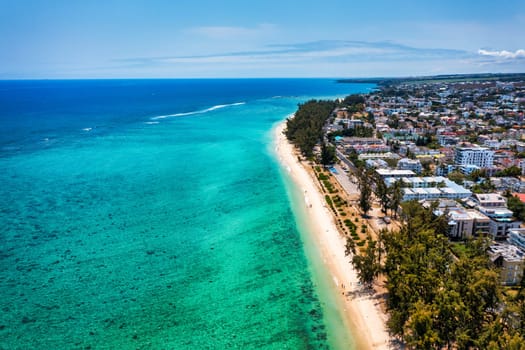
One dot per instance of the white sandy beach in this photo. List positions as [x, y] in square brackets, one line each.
[361, 312]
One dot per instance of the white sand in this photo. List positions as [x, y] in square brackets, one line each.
[362, 315]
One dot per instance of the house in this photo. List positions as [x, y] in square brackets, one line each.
[494, 206]
[517, 237]
[410, 164]
[463, 223]
[509, 259]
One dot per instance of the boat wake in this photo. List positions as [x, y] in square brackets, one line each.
[202, 111]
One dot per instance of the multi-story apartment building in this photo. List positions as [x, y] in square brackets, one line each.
[517, 237]
[410, 164]
[478, 156]
[494, 206]
[510, 260]
[465, 223]
[426, 188]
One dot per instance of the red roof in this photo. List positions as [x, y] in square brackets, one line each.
[521, 196]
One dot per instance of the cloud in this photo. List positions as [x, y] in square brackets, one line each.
[324, 51]
[365, 50]
[327, 58]
[503, 54]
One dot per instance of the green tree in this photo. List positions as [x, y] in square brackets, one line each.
[368, 264]
[327, 154]
[420, 329]
[457, 177]
[365, 191]
[436, 301]
[396, 197]
[477, 174]
[485, 186]
[350, 246]
[382, 192]
[510, 171]
[305, 129]
[517, 207]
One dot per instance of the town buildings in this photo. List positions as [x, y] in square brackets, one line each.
[471, 132]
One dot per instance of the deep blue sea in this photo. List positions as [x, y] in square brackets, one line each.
[152, 214]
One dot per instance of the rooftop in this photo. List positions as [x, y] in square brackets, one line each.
[507, 251]
[395, 172]
[490, 197]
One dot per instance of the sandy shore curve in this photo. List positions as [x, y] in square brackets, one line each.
[360, 310]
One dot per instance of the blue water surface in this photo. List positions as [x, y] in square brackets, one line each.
[151, 214]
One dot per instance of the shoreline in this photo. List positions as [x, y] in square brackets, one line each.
[360, 311]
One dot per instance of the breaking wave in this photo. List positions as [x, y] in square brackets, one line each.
[202, 111]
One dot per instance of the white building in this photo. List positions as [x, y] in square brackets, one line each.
[517, 237]
[479, 156]
[464, 223]
[510, 260]
[398, 174]
[410, 164]
[429, 188]
[494, 206]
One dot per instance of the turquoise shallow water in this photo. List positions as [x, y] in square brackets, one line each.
[176, 235]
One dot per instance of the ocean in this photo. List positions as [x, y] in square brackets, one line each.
[152, 214]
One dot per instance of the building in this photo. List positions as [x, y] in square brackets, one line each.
[460, 224]
[517, 237]
[509, 259]
[481, 222]
[479, 156]
[467, 169]
[410, 164]
[447, 139]
[387, 155]
[463, 223]
[429, 188]
[397, 174]
[494, 206]
[375, 163]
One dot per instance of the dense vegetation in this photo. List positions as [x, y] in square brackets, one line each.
[510, 171]
[305, 129]
[436, 300]
[368, 182]
[517, 206]
[359, 131]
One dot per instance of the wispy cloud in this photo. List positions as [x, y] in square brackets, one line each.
[330, 58]
[326, 51]
[518, 54]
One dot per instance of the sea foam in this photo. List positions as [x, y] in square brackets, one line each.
[202, 111]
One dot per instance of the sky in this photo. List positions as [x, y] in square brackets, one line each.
[66, 39]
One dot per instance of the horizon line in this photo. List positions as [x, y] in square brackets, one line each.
[263, 78]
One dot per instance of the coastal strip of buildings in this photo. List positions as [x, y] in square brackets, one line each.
[459, 145]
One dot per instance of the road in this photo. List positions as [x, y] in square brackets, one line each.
[345, 160]
[344, 180]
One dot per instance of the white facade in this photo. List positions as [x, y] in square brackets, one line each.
[517, 237]
[430, 187]
[479, 156]
[388, 173]
[494, 206]
[410, 164]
